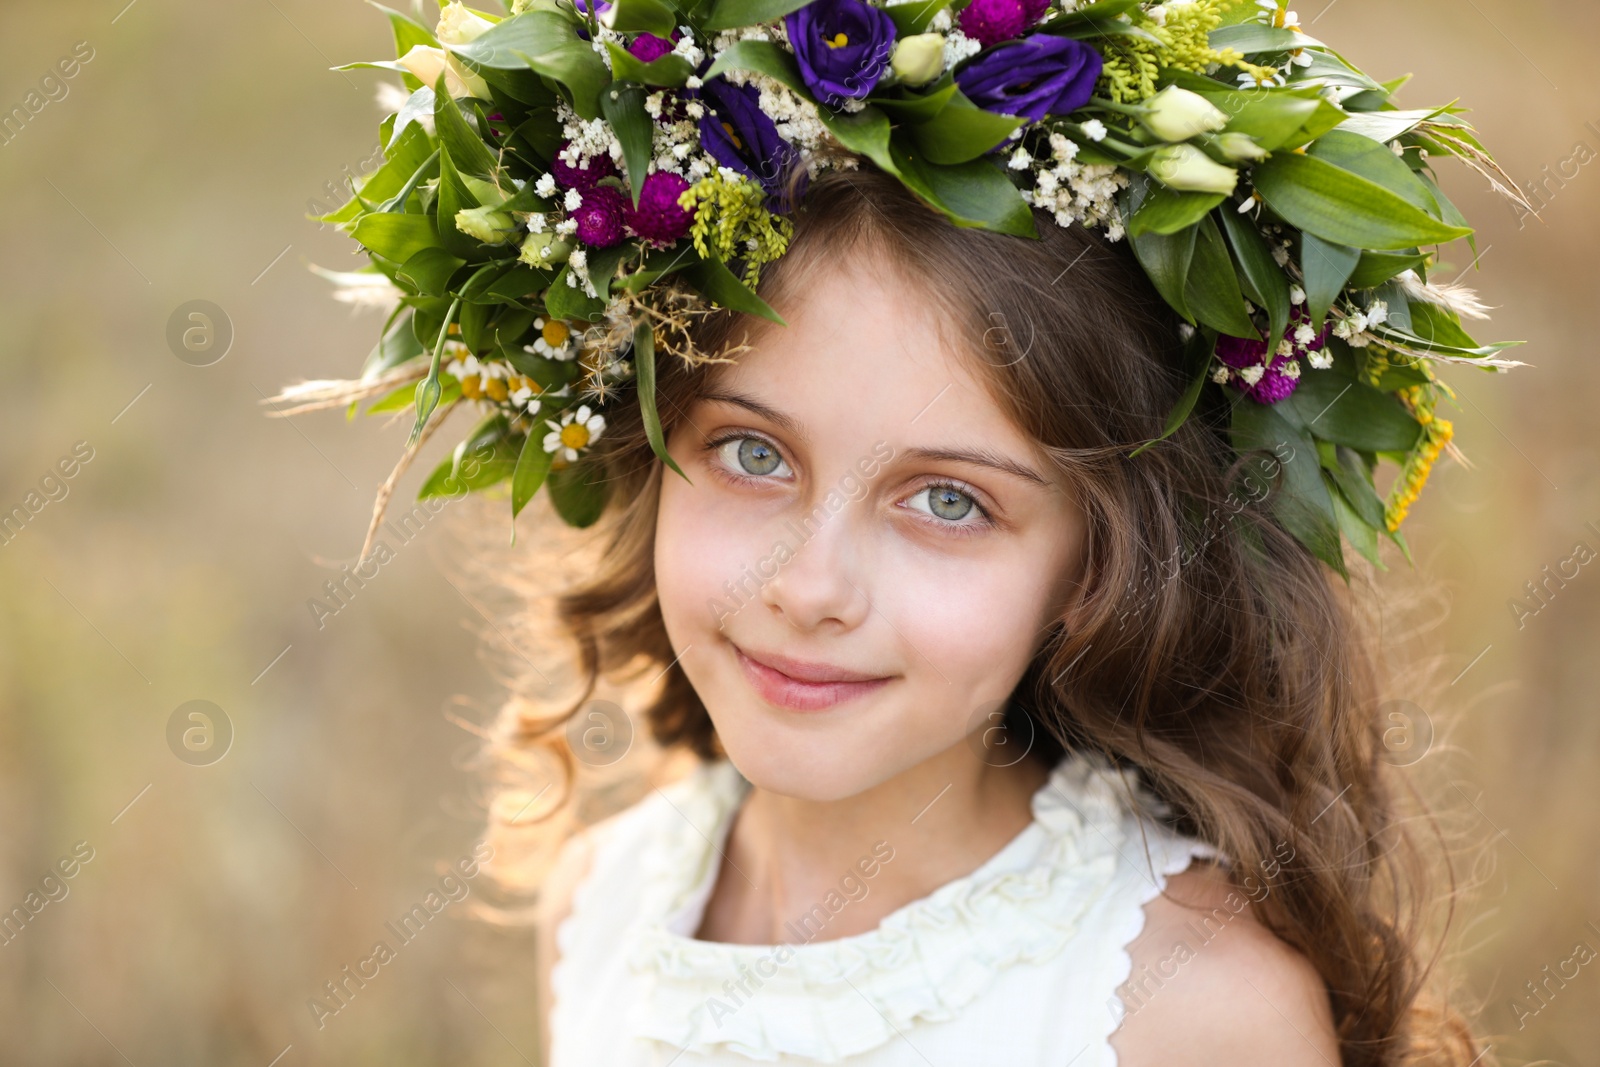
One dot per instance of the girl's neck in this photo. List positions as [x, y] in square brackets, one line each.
[873, 852]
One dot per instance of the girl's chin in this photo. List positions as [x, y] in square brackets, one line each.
[822, 768]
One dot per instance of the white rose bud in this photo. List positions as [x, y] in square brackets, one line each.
[1178, 114]
[457, 25]
[1241, 147]
[1183, 166]
[487, 224]
[544, 249]
[426, 63]
[919, 58]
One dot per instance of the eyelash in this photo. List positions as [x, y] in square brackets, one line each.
[959, 529]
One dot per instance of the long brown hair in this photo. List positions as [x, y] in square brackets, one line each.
[1208, 649]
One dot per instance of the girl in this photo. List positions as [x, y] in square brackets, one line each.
[1006, 748]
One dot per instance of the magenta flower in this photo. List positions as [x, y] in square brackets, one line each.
[600, 216]
[659, 219]
[991, 21]
[581, 177]
[647, 47]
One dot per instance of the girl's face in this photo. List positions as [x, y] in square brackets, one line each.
[869, 552]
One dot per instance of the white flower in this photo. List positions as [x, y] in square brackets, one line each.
[1252, 374]
[457, 25]
[426, 64]
[573, 200]
[546, 185]
[1220, 375]
[1304, 334]
[576, 431]
[1290, 369]
[1176, 114]
[1320, 360]
[1297, 295]
[1021, 159]
[1094, 129]
[1377, 313]
[555, 340]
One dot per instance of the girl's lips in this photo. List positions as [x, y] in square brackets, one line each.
[775, 687]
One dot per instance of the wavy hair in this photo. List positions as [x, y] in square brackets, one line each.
[1208, 649]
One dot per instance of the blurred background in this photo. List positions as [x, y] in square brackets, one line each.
[217, 885]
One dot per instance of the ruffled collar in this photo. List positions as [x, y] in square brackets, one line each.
[825, 1000]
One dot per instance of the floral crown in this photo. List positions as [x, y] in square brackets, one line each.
[567, 187]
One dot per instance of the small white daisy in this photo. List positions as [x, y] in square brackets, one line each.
[576, 431]
[555, 340]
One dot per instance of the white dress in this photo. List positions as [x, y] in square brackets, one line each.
[1015, 964]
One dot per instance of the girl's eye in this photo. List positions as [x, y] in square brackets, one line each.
[750, 455]
[951, 505]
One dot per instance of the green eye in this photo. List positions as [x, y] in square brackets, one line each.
[753, 456]
[948, 502]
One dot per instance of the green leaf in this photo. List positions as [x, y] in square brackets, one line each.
[976, 194]
[1344, 208]
[408, 33]
[1166, 259]
[1197, 365]
[533, 464]
[430, 270]
[914, 16]
[411, 151]
[1374, 162]
[1375, 268]
[521, 284]
[917, 107]
[1326, 268]
[641, 16]
[1437, 325]
[713, 280]
[1356, 529]
[1167, 211]
[578, 492]
[644, 368]
[545, 42]
[603, 263]
[623, 107]
[1265, 283]
[396, 236]
[565, 301]
[1301, 501]
[1385, 126]
[1249, 38]
[762, 57]
[733, 14]
[465, 148]
[1354, 480]
[962, 131]
[865, 131]
[670, 70]
[1211, 291]
[1350, 413]
[454, 195]
[487, 456]
[397, 345]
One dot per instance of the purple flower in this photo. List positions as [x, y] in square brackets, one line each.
[842, 46]
[1034, 9]
[583, 177]
[647, 47]
[739, 135]
[659, 218]
[991, 21]
[1040, 75]
[599, 217]
[1241, 353]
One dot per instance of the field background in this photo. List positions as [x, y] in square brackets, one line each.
[179, 565]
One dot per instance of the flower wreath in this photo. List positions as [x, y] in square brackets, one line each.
[567, 186]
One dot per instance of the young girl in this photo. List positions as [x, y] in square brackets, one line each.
[1005, 754]
[984, 560]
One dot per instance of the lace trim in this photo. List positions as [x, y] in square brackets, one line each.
[832, 999]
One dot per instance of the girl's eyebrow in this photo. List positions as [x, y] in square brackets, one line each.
[980, 457]
[766, 411]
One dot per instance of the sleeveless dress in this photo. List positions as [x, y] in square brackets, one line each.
[1014, 964]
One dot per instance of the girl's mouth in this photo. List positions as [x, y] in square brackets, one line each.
[831, 685]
